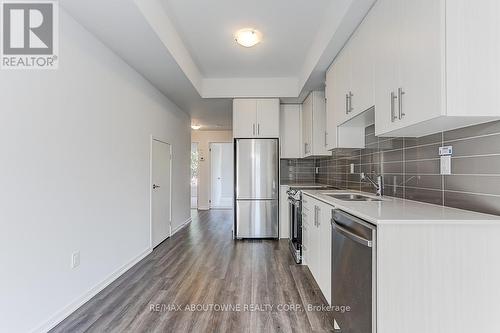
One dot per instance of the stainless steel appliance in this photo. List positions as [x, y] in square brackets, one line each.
[295, 224]
[256, 188]
[295, 216]
[353, 272]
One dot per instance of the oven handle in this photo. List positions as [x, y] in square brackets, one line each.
[351, 235]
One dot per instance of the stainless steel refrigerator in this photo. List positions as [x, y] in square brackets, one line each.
[256, 188]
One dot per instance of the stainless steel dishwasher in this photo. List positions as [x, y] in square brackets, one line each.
[353, 273]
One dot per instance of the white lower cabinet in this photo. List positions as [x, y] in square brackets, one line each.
[284, 228]
[316, 239]
[306, 231]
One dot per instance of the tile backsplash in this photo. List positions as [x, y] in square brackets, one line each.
[297, 171]
[411, 167]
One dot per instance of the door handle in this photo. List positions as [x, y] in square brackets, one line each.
[393, 114]
[352, 236]
[155, 186]
[400, 102]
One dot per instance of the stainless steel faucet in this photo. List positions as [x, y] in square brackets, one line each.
[379, 185]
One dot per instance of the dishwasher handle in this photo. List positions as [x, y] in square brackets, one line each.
[352, 236]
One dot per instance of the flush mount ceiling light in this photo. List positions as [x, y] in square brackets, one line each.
[247, 37]
[196, 127]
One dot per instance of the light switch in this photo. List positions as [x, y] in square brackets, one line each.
[446, 151]
[446, 165]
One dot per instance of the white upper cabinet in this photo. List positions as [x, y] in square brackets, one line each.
[384, 15]
[473, 57]
[268, 118]
[314, 125]
[409, 72]
[290, 131]
[437, 65]
[349, 92]
[244, 118]
[256, 118]
[331, 122]
[362, 66]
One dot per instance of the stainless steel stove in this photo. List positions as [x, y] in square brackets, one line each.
[295, 216]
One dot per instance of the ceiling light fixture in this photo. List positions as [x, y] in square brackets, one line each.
[196, 127]
[247, 37]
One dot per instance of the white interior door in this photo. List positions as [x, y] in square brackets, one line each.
[222, 175]
[161, 192]
[194, 175]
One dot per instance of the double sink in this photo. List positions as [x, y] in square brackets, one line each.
[353, 197]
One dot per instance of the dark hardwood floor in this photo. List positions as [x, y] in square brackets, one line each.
[199, 266]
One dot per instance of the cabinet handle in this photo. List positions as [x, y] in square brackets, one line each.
[400, 101]
[253, 131]
[350, 102]
[393, 114]
[346, 103]
[326, 139]
[316, 223]
[258, 129]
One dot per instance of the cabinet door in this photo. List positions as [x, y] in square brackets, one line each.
[421, 65]
[284, 217]
[307, 226]
[362, 66]
[244, 118]
[319, 124]
[385, 15]
[290, 131]
[331, 124]
[268, 118]
[314, 261]
[305, 242]
[307, 124]
[341, 85]
[325, 241]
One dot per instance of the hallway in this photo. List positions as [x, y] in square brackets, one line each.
[202, 265]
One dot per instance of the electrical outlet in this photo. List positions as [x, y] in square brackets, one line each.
[352, 167]
[75, 259]
[446, 165]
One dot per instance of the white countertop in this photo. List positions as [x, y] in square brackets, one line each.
[399, 211]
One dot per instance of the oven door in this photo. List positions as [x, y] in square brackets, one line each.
[296, 229]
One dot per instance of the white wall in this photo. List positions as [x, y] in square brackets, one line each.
[74, 175]
[203, 138]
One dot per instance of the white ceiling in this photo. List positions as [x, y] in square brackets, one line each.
[185, 48]
[288, 27]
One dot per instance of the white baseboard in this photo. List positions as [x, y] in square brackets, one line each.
[179, 227]
[73, 306]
